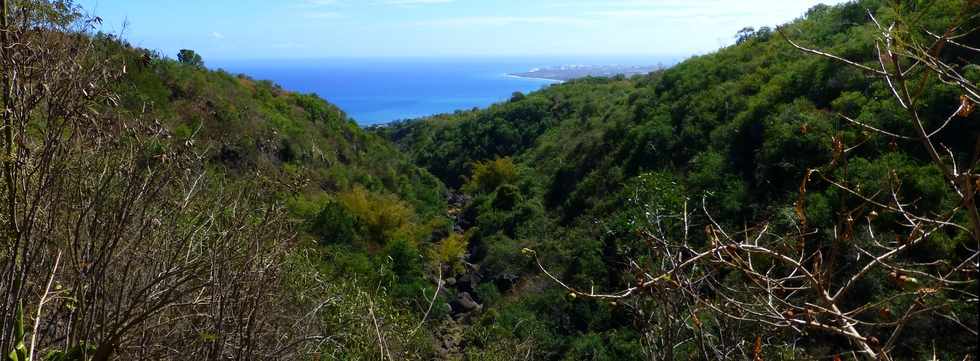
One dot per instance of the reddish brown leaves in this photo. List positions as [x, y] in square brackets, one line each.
[757, 350]
[838, 145]
[966, 106]
[885, 313]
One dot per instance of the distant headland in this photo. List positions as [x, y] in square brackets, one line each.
[569, 72]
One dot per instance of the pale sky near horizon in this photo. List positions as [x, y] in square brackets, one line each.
[271, 29]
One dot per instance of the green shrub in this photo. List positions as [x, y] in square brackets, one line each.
[334, 224]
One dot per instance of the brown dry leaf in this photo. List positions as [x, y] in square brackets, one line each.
[966, 106]
[838, 144]
[800, 210]
[789, 314]
[800, 204]
[885, 313]
[757, 351]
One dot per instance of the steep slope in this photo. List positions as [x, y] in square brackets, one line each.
[575, 171]
[154, 209]
[367, 221]
[575, 177]
[247, 125]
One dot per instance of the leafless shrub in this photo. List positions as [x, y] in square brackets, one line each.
[117, 241]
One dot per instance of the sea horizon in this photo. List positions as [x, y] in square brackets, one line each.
[381, 90]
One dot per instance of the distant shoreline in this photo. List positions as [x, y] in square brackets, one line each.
[570, 72]
[512, 75]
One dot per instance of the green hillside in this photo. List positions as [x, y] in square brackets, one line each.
[363, 213]
[759, 202]
[247, 125]
[582, 169]
[198, 214]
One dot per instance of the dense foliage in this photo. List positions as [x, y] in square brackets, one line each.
[602, 159]
[421, 239]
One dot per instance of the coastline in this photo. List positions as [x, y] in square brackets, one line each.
[555, 81]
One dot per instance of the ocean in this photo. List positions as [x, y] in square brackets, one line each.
[382, 90]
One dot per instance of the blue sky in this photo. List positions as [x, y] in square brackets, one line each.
[271, 29]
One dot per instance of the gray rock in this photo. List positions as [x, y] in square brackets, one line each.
[467, 303]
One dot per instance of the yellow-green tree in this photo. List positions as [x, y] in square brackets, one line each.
[488, 175]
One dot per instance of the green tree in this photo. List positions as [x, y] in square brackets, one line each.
[190, 57]
[489, 175]
[334, 224]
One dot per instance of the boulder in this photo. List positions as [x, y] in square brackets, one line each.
[466, 303]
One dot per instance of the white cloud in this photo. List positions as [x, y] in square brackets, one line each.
[217, 36]
[720, 14]
[593, 12]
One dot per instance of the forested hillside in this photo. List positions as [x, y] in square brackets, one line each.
[248, 125]
[605, 181]
[806, 193]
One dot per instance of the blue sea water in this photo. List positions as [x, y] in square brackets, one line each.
[381, 90]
